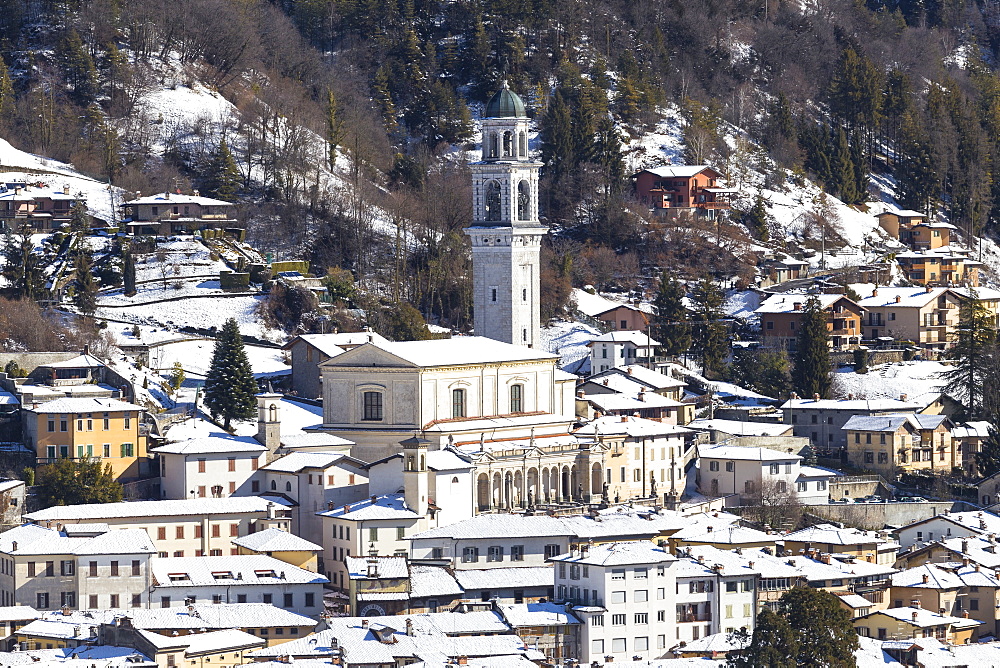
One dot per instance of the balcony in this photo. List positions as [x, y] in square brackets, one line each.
[688, 617]
[39, 461]
[845, 331]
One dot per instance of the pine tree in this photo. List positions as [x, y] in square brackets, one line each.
[177, 376]
[773, 644]
[78, 67]
[844, 181]
[969, 379]
[334, 128]
[557, 138]
[23, 268]
[223, 178]
[823, 628]
[85, 294]
[756, 219]
[709, 332]
[811, 373]
[988, 456]
[608, 153]
[382, 97]
[229, 385]
[128, 275]
[7, 97]
[671, 321]
[79, 219]
[764, 371]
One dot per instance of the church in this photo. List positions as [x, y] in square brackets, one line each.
[496, 400]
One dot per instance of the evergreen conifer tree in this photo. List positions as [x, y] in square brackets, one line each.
[811, 374]
[229, 385]
[383, 98]
[85, 294]
[970, 377]
[756, 218]
[128, 275]
[7, 98]
[844, 181]
[77, 66]
[671, 322]
[334, 128]
[68, 482]
[79, 219]
[772, 645]
[988, 457]
[709, 332]
[557, 138]
[23, 268]
[764, 371]
[223, 178]
[823, 628]
[608, 153]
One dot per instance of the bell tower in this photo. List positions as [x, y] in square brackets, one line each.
[506, 233]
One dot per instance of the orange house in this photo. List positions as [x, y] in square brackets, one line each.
[675, 188]
[781, 320]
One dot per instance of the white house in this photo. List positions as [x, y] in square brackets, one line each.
[748, 472]
[216, 465]
[236, 579]
[621, 348]
[450, 485]
[316, 481]
[949, 525]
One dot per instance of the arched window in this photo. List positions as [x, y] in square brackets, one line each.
[272, 413]
[516, 398]
[522, 144]
[288, 486]
[522, 200]
[423, 462]
[454, 480]
[274, 485]
[492, 201]
[458, 403]
[372, 406]
[508, 144]
[409, 463]
[494, 145]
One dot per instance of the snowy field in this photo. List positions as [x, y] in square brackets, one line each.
[196, 356]
[888, 381]
[568, 340]
[189, 257]
[201, 312]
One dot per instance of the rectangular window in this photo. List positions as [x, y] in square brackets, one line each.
[618, 644]
[642, 618]
[713, 466]
[268, 598]
[107, 449]
[164, 601]
[495, 553]
[287, 601]
[372, 406]
[597, 647]
[310, 600]
[135, 567]
[619, 620]
[92, 571]
[470, 555]
[161, 533]
[232, 463]
[114, 568]
[640, 595]
[126, 449]
[641, 644]
[516, 403]
[50, 568]
[136, 600]
[216, 531]
[458, 403]
[67, 599]
[517, 552]
[92, 602]
[42, 600]
[52, 425]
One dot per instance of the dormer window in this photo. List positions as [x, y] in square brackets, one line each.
[265, 573]
[179, 577]
[222, 575]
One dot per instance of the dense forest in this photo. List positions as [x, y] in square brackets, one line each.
[832, 90]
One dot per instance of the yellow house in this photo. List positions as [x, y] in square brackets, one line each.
[105, 430]
[915, 622]
[927, 316]
[281, 545]
[907, 441]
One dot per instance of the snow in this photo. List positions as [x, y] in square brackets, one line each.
[196, 357]
[101, 202]
[592, 304]
[888, 381]
[568, 340]
[742, 304]
[201, 312]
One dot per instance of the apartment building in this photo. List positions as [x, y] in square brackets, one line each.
[178, 528]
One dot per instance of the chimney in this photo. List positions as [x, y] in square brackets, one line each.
[641, 396]
[797, 306]
[902, 397]
[329, 505]
[927, 578]
[914, 615]
[628, 370]
[875, 292]
[364, 623]
[915, 603]
[850, 396]
[197, 193]
[65, 189]
[13, 546]
[816, 397]
[965, 545]
[580, 394]
[929, 288]
[624, 418]
[374, 499]
[899, 298]
[86, 349]
[605, 382]
[409, 627]
[965, 614]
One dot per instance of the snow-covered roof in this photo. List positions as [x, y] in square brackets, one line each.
[387, 507]
[504, 577]
[614, 425]
[817, 472]
[78, 362]
[635, 337]
[447, 460]
[855, 405]
[944, 576]
[275, 540]
[16, 613]
[386, 567]
[903, 213]
[678, 171]
[84, 405]
[794, 303]
[975, 429]
[902, 297]
[165, 508]
[230, 570]
[724, 535]
[216, 443]
[200, 616]
[8, 399]
[34, 540]
[537, 614]
[458, 350]
[218, 641]
[177, 198]
[830, 534]
[313, 440]
[297, 461]
[741, 428]
[738, 453]
[923, 618]
[655, 379]
[979, 521]
[886, 423]
[611, 525]
[428, 581]
[620, 402]
[854, 601]
[619, 554]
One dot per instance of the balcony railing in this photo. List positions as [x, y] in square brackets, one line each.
[688, 617]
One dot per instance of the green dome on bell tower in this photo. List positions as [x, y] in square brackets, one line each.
[505, 103]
